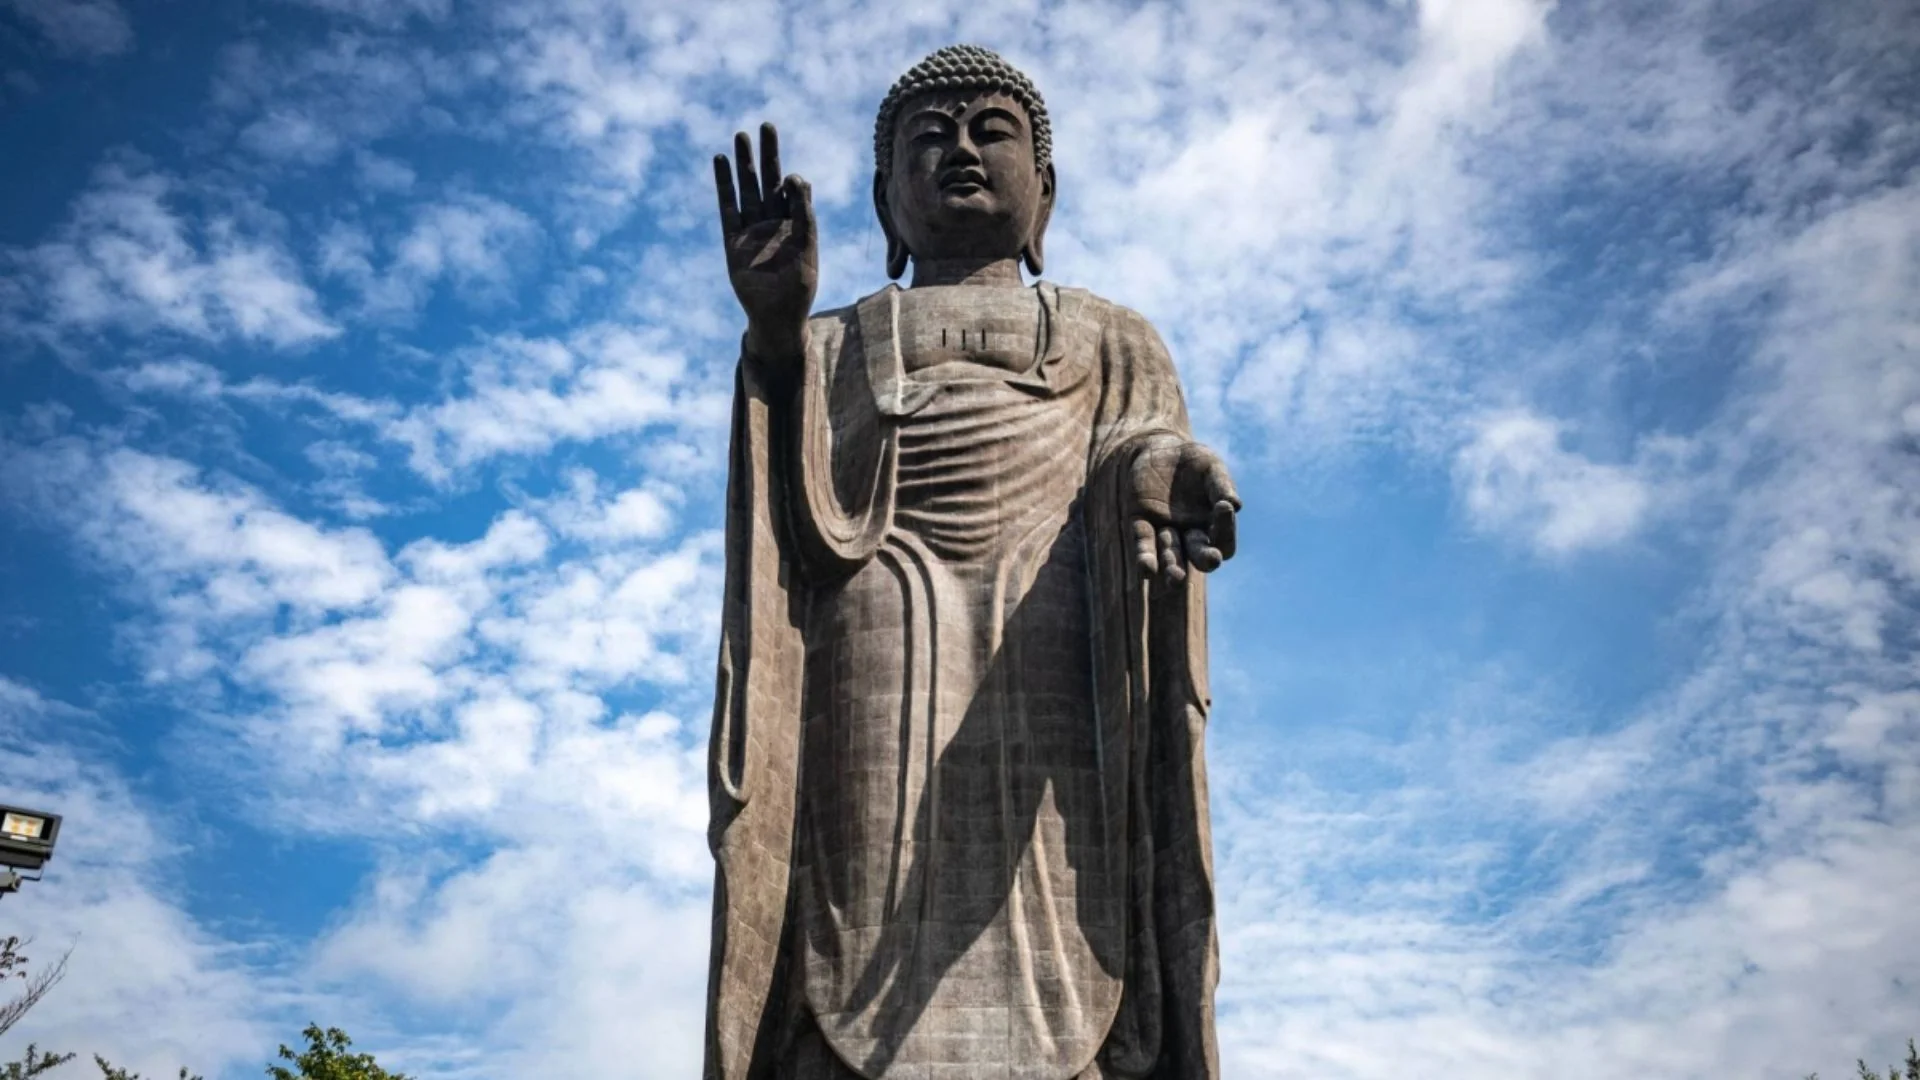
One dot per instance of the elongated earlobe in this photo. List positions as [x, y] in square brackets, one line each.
[1034, 254]
[897, 253]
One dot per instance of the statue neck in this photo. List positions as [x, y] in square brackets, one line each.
[1002, 272]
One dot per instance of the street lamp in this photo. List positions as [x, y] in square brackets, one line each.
[26, 843]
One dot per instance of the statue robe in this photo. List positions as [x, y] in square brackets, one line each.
[958, 794]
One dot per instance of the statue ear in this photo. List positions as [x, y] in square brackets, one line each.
[896, 248]
[1034, 255]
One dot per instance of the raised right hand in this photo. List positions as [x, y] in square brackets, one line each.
[772, 254]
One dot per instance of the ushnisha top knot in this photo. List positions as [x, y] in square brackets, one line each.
[962, 67]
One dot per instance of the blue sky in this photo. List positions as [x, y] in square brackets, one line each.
[363, 384]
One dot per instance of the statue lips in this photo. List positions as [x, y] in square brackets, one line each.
[963, 181]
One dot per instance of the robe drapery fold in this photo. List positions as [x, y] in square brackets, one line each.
[813, 493]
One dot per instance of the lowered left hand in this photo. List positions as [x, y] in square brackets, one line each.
[1182, 507]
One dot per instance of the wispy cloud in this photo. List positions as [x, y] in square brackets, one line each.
[1517, 476]
[300, 106]
[127, 261]
[472, 242]
[87, 28]
[523, 396]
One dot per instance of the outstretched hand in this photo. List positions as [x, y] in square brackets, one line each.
[1182, 508]
[772, 253]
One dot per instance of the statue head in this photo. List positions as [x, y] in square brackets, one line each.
[963, 162]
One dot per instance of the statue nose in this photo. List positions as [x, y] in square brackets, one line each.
[963, 152]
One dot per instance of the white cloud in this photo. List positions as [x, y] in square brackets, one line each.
[177, 377]
[466, 240]
[1839, 530]
[470, 241]
[291, 135]
[1465, 47]
[89, 28]
[607, 618]
[1517, 477]
[522, 396]
[1881, 729]
[157, 525]
[126, 261]
[157, 516]
[1298, 196]
[343, 466]
[640, 513]
[588, 962]
[384, 173]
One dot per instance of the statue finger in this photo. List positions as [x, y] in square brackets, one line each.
[1172, 564]
[1201, 554]
[770, 174]
[750, 202]
[800, 202]
[1144, 552]
[1225, 533]
[729, 202]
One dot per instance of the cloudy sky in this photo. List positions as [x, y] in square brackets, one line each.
[363, 383]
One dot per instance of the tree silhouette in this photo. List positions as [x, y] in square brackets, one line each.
[1894, 1072]
[13, 965]
[109, 1072]
[326, 1058]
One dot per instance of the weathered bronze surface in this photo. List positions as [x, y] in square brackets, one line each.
[959, 797]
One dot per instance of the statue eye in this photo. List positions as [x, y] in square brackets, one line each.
[993, 128]
[927, 129]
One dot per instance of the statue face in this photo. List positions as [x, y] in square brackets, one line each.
[964, 183]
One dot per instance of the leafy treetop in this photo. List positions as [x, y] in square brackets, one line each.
[326, 1058]
[1894, 1072]
[112, 1072]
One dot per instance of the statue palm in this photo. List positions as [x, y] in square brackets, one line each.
[773, 256]
[1183, 506]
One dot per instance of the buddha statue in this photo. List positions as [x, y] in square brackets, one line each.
[959, 802]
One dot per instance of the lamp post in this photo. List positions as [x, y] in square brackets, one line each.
[26, 843]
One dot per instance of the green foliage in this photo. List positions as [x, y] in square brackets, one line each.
[33, 1064]
[1894, 1072]
[326, 1058]
[13, 965]
[111, 1072]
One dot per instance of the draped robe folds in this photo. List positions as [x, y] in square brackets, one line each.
[959, 805]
